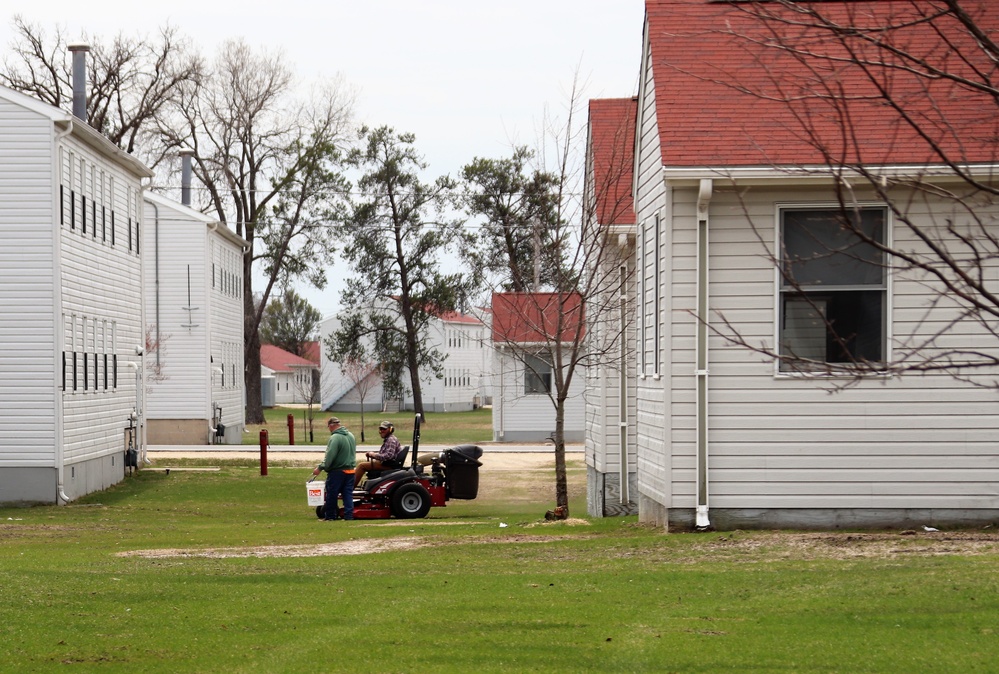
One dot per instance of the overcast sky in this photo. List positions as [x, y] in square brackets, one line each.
[468, 78]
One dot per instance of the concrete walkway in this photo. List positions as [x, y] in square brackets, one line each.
[212, 450]
[496, 456]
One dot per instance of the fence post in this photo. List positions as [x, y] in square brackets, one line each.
[263, 451]
[291, 429]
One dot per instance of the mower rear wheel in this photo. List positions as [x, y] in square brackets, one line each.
[410, 501]
[320, 511]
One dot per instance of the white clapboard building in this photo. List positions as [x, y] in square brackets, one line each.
[729, 191]
[193, 270]
[71, 323]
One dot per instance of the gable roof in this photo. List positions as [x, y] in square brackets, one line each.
[611, 153]
[280, 360]
[214, 224]
[457, 317]
[78, 128]
[536, 318]
[707, 55]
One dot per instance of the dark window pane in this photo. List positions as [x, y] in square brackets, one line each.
[833, 327]
[537, 375]
[823, 248]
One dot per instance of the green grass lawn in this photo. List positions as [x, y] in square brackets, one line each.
[444, 428]
[463, 593]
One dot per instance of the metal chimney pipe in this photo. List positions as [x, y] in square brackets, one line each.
[185, 176]
[79, 51]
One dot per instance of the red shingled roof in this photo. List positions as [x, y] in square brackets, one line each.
[455, 317]
[612, 153]
[536, 317]
[280, 360]
[700, 54]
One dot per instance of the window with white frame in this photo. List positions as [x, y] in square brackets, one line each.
[833, 289]
[657, 289]
[642, 300]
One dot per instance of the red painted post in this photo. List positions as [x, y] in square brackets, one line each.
[263, 451]
[291, 429]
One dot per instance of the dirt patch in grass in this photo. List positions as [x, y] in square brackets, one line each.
[355, 547]
[751, 547]
[772, 546]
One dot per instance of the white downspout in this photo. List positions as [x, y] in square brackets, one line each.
[213, 370]
[623, 387]
[702, 521]
[156, 245]
[60, 448]
[501, 433]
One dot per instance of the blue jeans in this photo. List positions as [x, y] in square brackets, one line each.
[339, 483]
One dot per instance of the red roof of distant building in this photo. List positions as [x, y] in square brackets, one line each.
[456, 317]
[449, 316]
[612, 153]
[706, 55]
[279, 360]
[537, 317]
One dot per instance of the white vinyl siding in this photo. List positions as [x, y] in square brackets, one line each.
[200, 330]
[465, 367]
[100, 284]
[653, 423]
[909, 442]
[61, 289]
[28, 340]
[530, 415]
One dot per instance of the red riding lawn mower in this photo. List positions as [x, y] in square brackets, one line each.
[409, 493]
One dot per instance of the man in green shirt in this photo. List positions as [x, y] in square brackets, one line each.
[341, 455]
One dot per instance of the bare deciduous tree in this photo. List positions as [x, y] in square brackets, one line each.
[133, 81]
[270, 166]
[547, 333]
[364, 375]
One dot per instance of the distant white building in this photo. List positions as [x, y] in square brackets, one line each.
[465, 384]
[71, 323]
[523, 408]
[295, 377]
[193, 269]
[611, 467]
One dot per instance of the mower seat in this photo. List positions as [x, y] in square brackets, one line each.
[390, 468]
[387, 476]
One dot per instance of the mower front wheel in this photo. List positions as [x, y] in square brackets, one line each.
[321, 511]
[410, 501]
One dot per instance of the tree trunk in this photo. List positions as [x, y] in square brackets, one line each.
[414, 381]
[251, 356]
[254, 404]
[561, 480]
[411, 360]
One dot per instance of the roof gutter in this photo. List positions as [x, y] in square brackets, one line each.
[817, 174]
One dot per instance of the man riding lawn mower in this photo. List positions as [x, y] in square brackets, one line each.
[409, 493]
